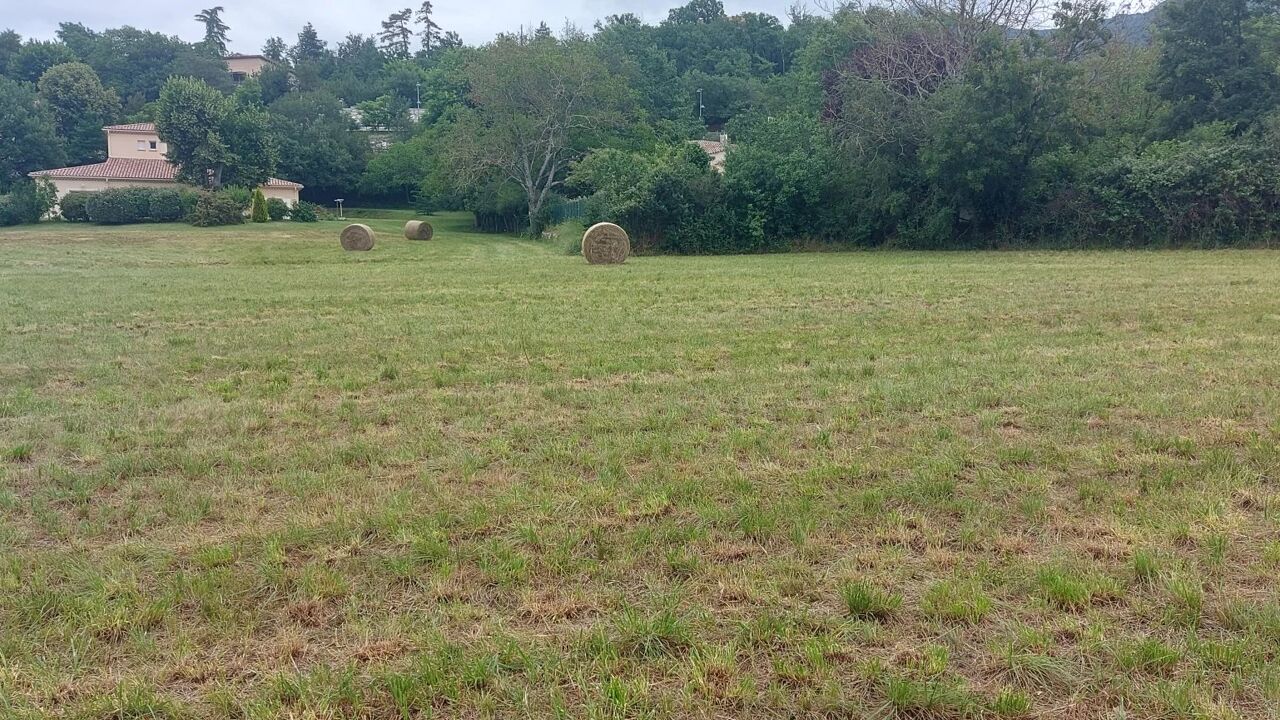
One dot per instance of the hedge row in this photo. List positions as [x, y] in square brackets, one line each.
[127, 206]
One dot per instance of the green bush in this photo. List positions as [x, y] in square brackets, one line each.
[189, 198]
[218, 208]
[241, 196]
[258, 208]
[74, 206]
[27, 203]
[1204, 192]
[166, 206]
[120, 207]
[277, 209]
[304, 211]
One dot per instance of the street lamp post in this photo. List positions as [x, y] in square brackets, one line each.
[701, 107]
[339, 201]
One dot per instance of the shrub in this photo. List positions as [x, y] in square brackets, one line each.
[241, 196]
[27, 203]
[277, 209]
[217, 208]
[258, 209]
[120, 207]
[189, 198]
[166, 206]
[304, 211]
[74, 206]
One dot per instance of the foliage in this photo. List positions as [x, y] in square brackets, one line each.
[74, 206]
[277, 209]
[215, 30]
[81, 106]
[1212, 66]
[669, 200]
[304, 212]
[258, 207]
[120, 206]
[27, 202]
[315, 142]
[218, 208]
[1206, 190]
[28, 136]
[536, 103]
[212, 140]
[35, 57]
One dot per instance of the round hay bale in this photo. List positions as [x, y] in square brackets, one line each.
[418, 230]
[605, 244]
[357, 237]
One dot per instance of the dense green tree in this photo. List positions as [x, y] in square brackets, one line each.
[213, 140]
[994, 139]
[36, 56]
[534, 102]
[309, 48]
[81, 106]
[136, 63]
[397, 34]
[215, 30]
[399, 171]
[274, 49]
[316, 142]
[28, 138]
[430, 28]
[10, 45]
[1212, 67]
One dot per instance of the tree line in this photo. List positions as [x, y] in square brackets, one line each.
[914, 123]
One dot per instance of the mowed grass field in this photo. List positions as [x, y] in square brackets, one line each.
[245, 474]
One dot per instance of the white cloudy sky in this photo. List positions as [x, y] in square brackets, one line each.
[252, 21]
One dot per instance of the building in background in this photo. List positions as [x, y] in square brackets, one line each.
[136, 158]
[246, 66]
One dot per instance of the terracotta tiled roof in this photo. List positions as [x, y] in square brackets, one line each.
[132, 127]
[133, 169]
[116, 169]
[711, 147]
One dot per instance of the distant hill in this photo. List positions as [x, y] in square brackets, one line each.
[1136, 28]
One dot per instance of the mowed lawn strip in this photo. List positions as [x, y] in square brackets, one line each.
[244, 473]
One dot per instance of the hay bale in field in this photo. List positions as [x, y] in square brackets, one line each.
[605, 244]
[418, 230]
[357, 237]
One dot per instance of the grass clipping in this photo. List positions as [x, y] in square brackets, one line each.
[357, 237]
[605, 244]
[418, 230]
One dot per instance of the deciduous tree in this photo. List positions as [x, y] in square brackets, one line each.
[81, 106]
[213, 141]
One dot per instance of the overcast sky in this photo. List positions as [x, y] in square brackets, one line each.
[253, 21]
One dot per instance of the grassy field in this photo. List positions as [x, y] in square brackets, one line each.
[245, 474]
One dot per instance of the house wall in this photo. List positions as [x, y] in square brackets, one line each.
[289, 195]
[246, 66]
[125, 145]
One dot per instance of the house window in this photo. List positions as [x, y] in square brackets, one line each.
[153, 145]
[142, 144]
